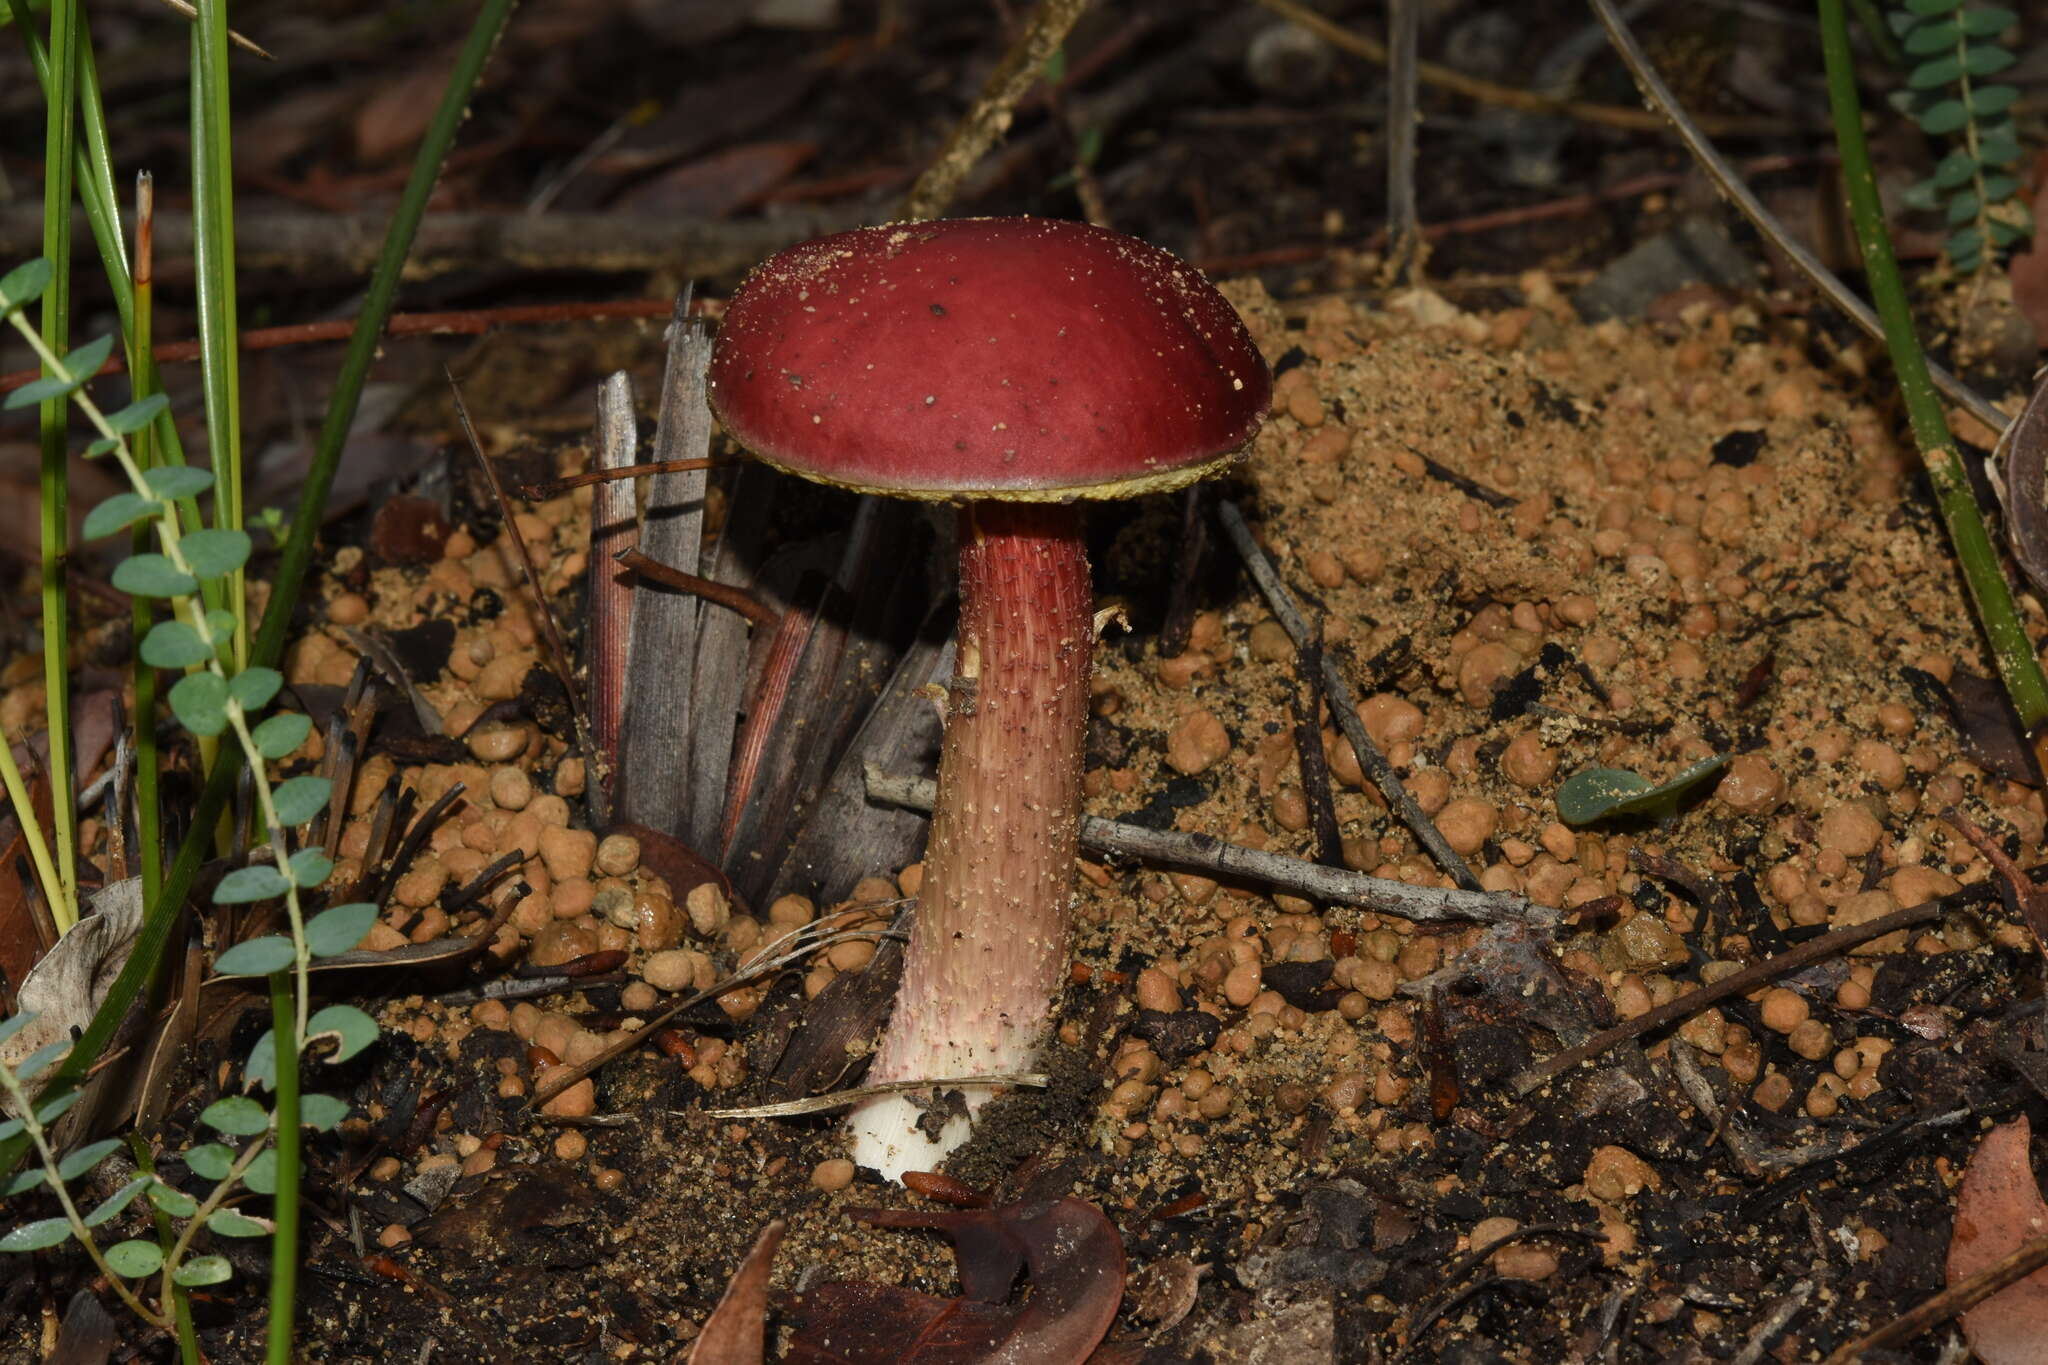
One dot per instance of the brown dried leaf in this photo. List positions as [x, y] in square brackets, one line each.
[394, 118]
[736, 1331]
[2029, 268]
[1998, 1209]
[719, 184]
[1072, 1254]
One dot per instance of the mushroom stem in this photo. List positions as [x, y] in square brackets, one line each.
[987, 954]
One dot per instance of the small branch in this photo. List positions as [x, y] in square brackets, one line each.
[558, 649]
[1507, 96]
[1959, 1297]
[611, 474]
[1749, 978]
[710, 589]
[1311, 881]
[614, 531]
[1404, 223]
[1341, 708]
[1731, 185]
[993, 109]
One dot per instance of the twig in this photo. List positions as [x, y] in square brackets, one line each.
[1404, 223]
[793, 946]
[839, 1099]
[1486, 92]
[993, 108]
[1756, 973]
[611, 474]
[558, 649]
[1782, 1312]
[1311, 881]
[1730, 184]
[710, 589]
[1959, 1297]
[1341, 708]
[614, 532]
[469, 322]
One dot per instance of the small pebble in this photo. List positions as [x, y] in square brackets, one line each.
[1196, 742]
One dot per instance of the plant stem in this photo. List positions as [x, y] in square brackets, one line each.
[297, 558]
[166, 1237]
[284, 1241]
[2010, 647]
[149, 835]
[1879, 33]
[59, 149]
[213, 233]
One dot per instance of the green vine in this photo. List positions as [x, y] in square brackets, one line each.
[1955, 50]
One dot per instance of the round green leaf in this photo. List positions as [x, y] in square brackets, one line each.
[75, 1164]
[21, 1182]
[236, 1115]
[351, 1028]
[1962, 208]
[138, 414]
[339, 929]
[254, 687]
[134, 1258]
[260, 1175]
[208, 1161]
[23, 284]
[260, 882]
[1928, 8]
[202, 1270]
[200, 702]
[15, 1023]
[1600, 793]
[118, 513]
[229, 1223]
[153, 576]
[49, 1111]
[175, 1201]
[174, 481]
[311, 866]
[101, 447]
[1991, 100]
[299, 799]
[1942, 117]
[34, 1064]
[256, 957]
[44, 1232]
[12, 1129]
[322, 1113]
[216, 553]
[260, 1068]
[281, 734]
[119, 1200]
[85, 361]
[173, 644]
[1983, 22]
[1939, 36]
[1985, 60]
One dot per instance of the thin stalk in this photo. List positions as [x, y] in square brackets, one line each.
[166, 1237]
[95, 175]
[149, 834]
[2010, 647]
[59, 150]
[213, 238]
[1879, 33]
[297, 557]
[287, 1008]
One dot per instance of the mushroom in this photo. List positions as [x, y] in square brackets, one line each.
[1011, 366]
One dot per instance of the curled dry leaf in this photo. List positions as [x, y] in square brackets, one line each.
[1998, 1209]
[2023, 468]
[1068, 1250]
[736, 1331]
[66, 987]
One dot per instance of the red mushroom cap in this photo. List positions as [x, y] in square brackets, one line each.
[1020, 358]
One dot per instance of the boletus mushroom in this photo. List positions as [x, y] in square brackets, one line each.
[1011, 366]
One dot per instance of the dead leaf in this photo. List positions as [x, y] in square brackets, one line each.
[718, 184]
[1070, 1252]
[65, 989]
[1998, 1209]
[393, 119]
[736, 1331]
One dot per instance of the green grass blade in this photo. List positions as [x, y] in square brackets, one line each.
[213, 243]
[59, 151]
